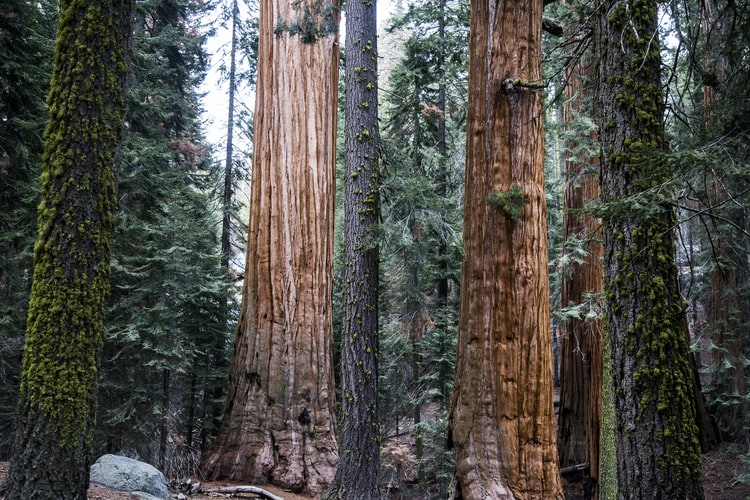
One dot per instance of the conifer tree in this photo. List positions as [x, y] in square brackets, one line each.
[422, 173]
[580, 409]
[658, 453]
[727, 296]
[501, 420]
[166, 333]
[359, 461]
[57, 404]
[278, 423]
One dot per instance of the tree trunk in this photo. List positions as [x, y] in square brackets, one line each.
[502, 418]
[656, 434]
[581, 351]
[357, 475]
[278, 424]
[65, 329]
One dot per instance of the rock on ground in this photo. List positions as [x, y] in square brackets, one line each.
[125, 474]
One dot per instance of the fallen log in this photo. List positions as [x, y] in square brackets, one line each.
[246, 489]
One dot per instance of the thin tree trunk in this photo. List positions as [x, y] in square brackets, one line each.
[164, 424]
[442, 286]
[227, 195]
[502, 420]
[357, 475]
[278, 424]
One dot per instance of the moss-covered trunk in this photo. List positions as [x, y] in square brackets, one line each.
[279, 424]
[656, 435]
[502, 421]
[359, 449]
[65, 329]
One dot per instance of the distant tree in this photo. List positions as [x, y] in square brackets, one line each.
[728, 291]
[278, 424]
[57, 404]
[656, 434]
[27, 33]
[359, 461]
[579, 424]
[502, 420]
[422, 175]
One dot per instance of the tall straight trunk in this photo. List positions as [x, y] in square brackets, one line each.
[228, 194]
[656, 434]
[278, 424]
[65, 328]
[442, 287]
[502, 420]
[581, 351]
[164, 424]
[357, 475]
[213, 391]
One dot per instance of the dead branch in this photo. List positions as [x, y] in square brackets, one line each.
[246, 489]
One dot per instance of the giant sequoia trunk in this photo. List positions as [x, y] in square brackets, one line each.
[65, 327]
[502, 422]
[581, 353]
[656, 434]
[278, 424]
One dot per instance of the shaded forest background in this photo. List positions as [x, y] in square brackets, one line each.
[179, 242]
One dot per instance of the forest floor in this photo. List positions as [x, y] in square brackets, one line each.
[720, 470]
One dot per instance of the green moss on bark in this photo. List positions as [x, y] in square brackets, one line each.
[71, 269]
[656, 432]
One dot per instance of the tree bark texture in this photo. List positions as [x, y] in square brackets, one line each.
[279, 424]
[502, 421]
[656, 435]
[359, 449]
[581, 351]
[65, 328]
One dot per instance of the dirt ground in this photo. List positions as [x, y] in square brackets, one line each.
[720, 468]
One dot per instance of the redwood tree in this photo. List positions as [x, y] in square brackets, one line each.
[278, 424]
[502, 422]
[65, 328]
[658, 454]
[579, 423]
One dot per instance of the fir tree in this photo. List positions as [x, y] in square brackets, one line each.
[656, 433]
[423, 140]
[57, 404]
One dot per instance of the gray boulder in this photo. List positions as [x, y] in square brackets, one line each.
[126, 474]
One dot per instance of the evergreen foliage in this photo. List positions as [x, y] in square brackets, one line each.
[423, 141]
[710, 162]
[167, 328]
